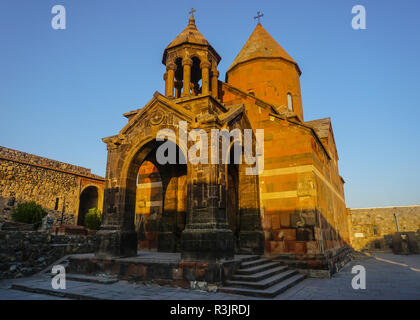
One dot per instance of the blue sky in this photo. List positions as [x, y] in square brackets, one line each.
[61, 91]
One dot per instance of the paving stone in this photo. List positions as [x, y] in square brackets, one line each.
[383, 280]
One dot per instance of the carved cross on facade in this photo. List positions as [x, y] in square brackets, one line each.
[258, 16]
[191, 12]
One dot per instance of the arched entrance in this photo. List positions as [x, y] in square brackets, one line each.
[242, 202]
[160, 200]
[88, 200]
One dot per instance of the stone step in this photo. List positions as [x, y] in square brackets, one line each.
[259, 268]
[263, 284]
[254, 263]
[295, 264]
[260, 275]
[88, 278]
[52, 292]
[270, 292]
[91, 278]
[250, 258]
[64, 261]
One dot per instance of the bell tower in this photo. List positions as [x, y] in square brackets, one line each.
[191, 64]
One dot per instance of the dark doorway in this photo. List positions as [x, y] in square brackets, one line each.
[88, 200]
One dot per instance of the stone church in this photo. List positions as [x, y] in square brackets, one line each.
[293, 210]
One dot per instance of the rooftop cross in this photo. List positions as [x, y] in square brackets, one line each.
[259, 15]
[191, 12]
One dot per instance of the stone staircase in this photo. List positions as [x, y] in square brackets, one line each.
[261, 277]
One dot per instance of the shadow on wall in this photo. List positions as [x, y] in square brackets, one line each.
[398, 243]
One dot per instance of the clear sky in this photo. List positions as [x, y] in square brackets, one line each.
[61, 91]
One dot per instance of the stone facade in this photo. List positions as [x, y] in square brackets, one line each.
[27, 177]
[295, 207]
[381, 228]
[301, 193]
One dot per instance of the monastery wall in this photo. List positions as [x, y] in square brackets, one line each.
[27, 177]
[373, 228]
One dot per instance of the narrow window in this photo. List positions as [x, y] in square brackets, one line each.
[56, 204]
[375, 230]
[396, 222]
[289, 102]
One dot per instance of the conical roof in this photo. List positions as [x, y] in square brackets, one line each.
[189, 35]
[261, 45]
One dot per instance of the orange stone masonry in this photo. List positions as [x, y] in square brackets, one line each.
[293, 211]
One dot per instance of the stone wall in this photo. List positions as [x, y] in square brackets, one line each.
[374, 228]
[10, 154]
[54, 185]
[23, 253]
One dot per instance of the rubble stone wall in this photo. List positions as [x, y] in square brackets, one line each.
[373, 228]
[23, 253]
[52, 184]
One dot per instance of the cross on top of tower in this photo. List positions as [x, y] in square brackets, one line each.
[258, 16]
[191, 20]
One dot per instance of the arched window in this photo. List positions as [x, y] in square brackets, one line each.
[196, 76]
[289, 102]
[179, 75]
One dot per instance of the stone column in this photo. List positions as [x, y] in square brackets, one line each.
[117, 237]
[207, 236]
[251, 235]
[215, 76]
[205, 77]
[171, 67]
[167, 239]
[165, 78]
[186, 63]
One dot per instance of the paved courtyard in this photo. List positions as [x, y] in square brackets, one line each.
[388, 276]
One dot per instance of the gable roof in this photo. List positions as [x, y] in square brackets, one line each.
[321, 126]
[323, 129]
